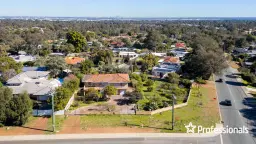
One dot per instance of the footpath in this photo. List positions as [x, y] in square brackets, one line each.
[103, 136]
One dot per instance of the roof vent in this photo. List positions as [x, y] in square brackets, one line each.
[37, 82]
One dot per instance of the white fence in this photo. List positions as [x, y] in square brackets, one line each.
[42, 112]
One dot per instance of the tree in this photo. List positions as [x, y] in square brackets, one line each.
[90, 35]
[250, 38]
[152, 39]
[3, 50]
[149, 61]
[86, 66]
[55, 65]
[9, 68]
[137, 45]
[173, 78]
[67, 48]
[71, 82]
[19, 109]
[92, 94]
[105, 56]
[110, 90]
[207, 58]
[134, 96]
[5, 97]
[61, 98]
[77, 39]
[241, 42]
[127, 42]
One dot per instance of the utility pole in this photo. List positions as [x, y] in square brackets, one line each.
[173, 99]
[53, 116]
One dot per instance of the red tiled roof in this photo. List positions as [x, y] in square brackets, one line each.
[73, 60]
[109, 78]
[171, 59]
[179, 45]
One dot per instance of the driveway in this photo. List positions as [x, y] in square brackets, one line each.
[116, 105]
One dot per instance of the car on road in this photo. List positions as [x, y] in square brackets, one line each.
[226, 102]
[219, 80]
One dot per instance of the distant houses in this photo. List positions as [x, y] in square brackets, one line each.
[73, 60]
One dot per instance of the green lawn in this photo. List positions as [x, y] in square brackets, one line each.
[196, 112]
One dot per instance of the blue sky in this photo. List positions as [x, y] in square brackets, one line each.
[129, 8]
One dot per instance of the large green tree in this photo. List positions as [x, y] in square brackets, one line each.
[86, 66]
[61, 98]
[77, 39]
[55, 65]
[207, 58]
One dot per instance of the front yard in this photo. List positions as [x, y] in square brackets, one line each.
[202, 109]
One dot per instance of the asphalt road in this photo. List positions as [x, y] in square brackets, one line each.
[241, 113]
[213, 140]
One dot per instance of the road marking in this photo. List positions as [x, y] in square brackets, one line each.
[221, 139]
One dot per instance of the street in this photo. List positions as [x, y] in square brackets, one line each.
[172, 140]
[242, 111]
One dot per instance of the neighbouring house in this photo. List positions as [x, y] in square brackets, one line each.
[100, 81]
[116, 44]
[166, 65]
[179, 52]
[35, 83]
[169, 59]
[180, 45]
[25, 69]
[131, 55]
[240, 50]
[73, 60]
[56, 54]
[155, 54]
[23, 58]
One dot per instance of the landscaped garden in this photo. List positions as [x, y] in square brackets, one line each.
[202, 109]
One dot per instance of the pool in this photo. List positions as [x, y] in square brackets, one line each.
[61, 80]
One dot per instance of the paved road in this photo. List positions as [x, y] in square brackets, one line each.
[241, 113]
[213, 140]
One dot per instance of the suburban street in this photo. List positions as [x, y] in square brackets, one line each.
[242, 111]
[205, 140]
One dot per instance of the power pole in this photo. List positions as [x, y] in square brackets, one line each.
[53, 116]
[173, 99]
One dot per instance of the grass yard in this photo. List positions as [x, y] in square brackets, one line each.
[201, 110]
[59, 120]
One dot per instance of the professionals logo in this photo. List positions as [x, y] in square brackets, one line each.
[200, 129]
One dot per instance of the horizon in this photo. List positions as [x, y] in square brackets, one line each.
[132, 8]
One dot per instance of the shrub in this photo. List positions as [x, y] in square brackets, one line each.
[186, 82]
[173, 78]
[150, 89]
[149, 82]
[250, 77]
[136, 77]
[110, 90]
[200, 80]
[144, 77]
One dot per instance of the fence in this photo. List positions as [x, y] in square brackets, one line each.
[37, 112]
[166, 108]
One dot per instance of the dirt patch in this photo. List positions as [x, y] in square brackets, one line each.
[234, 65]
[71, 125]
[212, 107]
[37, 126]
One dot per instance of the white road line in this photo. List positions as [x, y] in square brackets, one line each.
[221, 139]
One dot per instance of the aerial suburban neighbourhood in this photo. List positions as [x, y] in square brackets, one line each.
[142, 78]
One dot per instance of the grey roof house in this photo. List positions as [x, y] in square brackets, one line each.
[36, 83]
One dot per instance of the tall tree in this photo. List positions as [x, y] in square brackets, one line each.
[55, 65]
[86, 66]
[152, 39]
[77, 39]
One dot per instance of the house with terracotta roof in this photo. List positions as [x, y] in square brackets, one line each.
[180, 45]
[116, 44]
[170, 59]
[100, 81]
[73, 60]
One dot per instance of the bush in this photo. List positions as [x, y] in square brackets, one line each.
[136, 77]
[144, 77]
[150, 89]
[149, 83]
[250, 77]
[142, 104]
[186, 82]
[200, 80]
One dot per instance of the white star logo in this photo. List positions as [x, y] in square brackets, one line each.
[190, 128]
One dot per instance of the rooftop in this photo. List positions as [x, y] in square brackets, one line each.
[34, 82]
[74, 60]
[107, 78]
